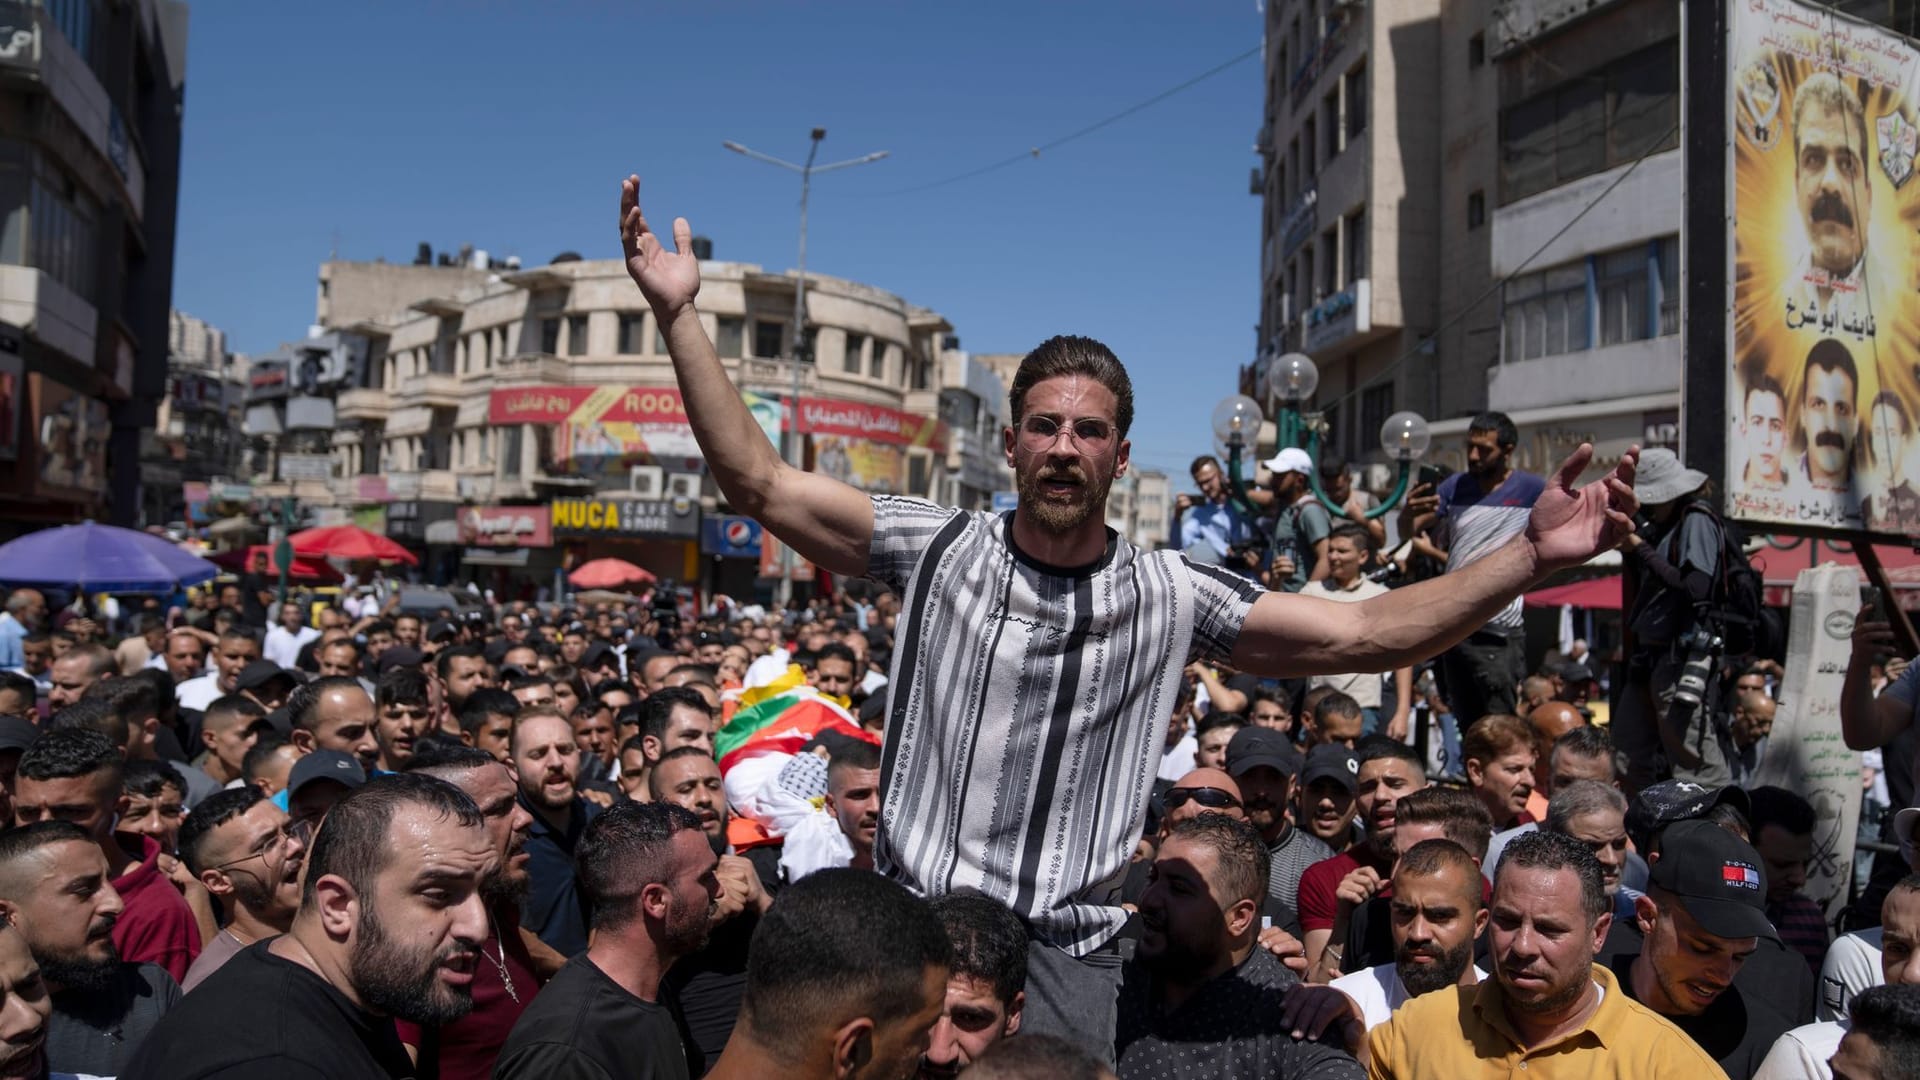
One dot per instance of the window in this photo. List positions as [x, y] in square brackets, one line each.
[633, 327]
[766, 338]
[550, 336]
[1356, 246]
[1310, 138]
[1597, 120]
[577, 335]
[878, 366]
[500, 342]
[1476, 209]
[1330, 272]
[1546, 313]
[659, 341]
[61, 232]
[919, 475]
[510, 451]
[1294, 174]
[1330, 112]
[1308, 297]
[1356, 101]
[1376, 404]
[727, 339]
[1476, 50]
[1625, 290]
[1669, 281]
[75, 20]
[854, 363]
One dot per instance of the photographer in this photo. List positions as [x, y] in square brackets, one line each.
[1300, 523]
[1673, 562]
[1210, 527]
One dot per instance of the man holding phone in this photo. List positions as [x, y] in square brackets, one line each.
[1868, 722]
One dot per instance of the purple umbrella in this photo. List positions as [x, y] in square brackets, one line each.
[101, 558]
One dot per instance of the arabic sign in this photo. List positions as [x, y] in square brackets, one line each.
[19, 37]
[1824, 395]
[665, 519]
[1340, 316]
[505, 526]
[658, 413]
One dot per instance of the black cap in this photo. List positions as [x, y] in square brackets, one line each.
[874, 709]
[331, 765]
[1717, 877]
[1576, 672]
[442, 630]
[496, 651]
[1327, 760]
[1253, 747]
[399, 656]
[599, 655]
[259, 673]
[17, 733]
[1660, 805]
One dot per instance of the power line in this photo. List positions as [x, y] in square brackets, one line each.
[1036, 151]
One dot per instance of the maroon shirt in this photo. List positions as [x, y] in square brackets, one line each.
[468, 1046]
[156, 926]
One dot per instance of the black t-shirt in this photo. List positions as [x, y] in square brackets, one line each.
[96, 1033]
[584, 1025]
[1734, 1031]
[261, 1015]
[1273, 911]
[704, 989]
[1775, 976]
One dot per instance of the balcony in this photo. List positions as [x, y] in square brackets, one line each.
[439, 485]
[1339, 318]
[363, 404]
[435, 389]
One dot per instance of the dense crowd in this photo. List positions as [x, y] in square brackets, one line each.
[1022, 801]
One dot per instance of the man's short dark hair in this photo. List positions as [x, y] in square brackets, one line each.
[1430, 857]
[162, 684]
[1334, 704]
[1214, 721]
[1202, 462]
[1237, 849]
[1783, 809]
[92, 714]
[238, 705]
[615, 686]
[1068, 354]
[209, 814]
[446, 758]
[834, 650]
[989, 942]
[259, 754]
[1587, 741]
[1382, 747]
[854, 754]
[353, 844]
[1500, 424]
[303, 705]
[623, 851]
[527, 680]
[1462, 817]
[698, 672]
[838, 944]
[1354, 533]
[1889, 1018]
[1550, 851]
[486, 702]
[236, 632]
[1763, 382]
[402, 686]
[100, 662]
[658, 708]
[13, 681]
[17, 844]
[148, 779]
[62, 754]
[1033, 1056]
[128, 697]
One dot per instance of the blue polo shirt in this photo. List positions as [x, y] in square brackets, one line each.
[553, 909]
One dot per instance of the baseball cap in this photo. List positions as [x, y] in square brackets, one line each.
[1327, 760]
[1660, 805]
[18, 733]
[1902, 828]
[1291, 459]
[1717, 877]
[598, 655]
[331, 765]
[442, 630]
[259, 673]
[399, 656]
[1253, 747]
[1576, 672]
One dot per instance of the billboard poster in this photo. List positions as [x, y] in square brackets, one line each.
[875, 468]
[71, 432]
[1824, 392]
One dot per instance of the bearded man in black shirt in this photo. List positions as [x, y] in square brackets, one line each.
[390, 925]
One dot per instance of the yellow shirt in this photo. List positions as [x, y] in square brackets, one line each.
[1461, 1033]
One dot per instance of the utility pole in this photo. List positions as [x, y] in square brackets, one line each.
[800, 347]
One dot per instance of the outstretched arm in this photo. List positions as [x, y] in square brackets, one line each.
[1288, 635]
[827, 522]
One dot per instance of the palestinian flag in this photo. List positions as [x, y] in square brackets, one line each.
[780, 718]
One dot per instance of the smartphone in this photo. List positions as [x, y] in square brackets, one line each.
[1870, 599]
[1430, 475]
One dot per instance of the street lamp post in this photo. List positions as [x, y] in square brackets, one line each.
[800, 347]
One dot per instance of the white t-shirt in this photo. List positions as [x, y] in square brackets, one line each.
[1852, 965]
[198, 693]
[1802, 1054]
[1378, 991]
[1362, 687]
[283, 646]
[1177, 761]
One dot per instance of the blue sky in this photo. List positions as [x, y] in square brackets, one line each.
[375, 126]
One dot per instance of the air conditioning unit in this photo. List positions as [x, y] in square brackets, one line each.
[682, 485]
[646, 481]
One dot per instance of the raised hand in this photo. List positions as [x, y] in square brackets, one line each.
[1569, 525]
[668, 279]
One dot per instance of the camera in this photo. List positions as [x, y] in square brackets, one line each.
[1696, 671]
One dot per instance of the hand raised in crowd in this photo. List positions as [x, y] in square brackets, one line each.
[1285, 948]
[601, 799]
[1308, 1011]
[668, 279]
[1871, 637]
[1359, 886]
[740, 889]
[1571, 525]
[1423, 499]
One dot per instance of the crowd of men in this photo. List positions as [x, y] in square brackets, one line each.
[1025, 801]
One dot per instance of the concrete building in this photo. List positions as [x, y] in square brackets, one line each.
[1349, 149]
[351, 292]
[91, 98]
[196, 436]
[1139, 507]
[532, 420]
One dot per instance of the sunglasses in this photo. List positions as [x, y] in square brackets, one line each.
[1211, 797]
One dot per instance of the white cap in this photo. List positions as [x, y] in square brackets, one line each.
[1292, 459]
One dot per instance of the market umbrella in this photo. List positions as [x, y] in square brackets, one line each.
[609, 574]
[101, 558]
[305, 567]
[349, 542]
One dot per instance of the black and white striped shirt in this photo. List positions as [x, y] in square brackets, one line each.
[1028, 707]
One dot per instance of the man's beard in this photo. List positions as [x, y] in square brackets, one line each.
[390, 978]
[688, 926]
[1056, 517]
[505, 888]
[1553, 1001]
[77, 971]
[1448, 966]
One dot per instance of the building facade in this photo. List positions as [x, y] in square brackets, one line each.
[91, 98]
[196, 438]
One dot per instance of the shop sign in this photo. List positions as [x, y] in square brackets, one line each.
[505, 526]
[668, 519]
[730, 536]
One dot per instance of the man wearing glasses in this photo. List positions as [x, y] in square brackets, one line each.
[1038, 653]
[247, 852]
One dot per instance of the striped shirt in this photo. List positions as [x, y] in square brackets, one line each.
[1477, 522]
[1028, 709]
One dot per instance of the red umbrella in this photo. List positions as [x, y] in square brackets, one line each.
[609, 574]
[349, 542]
[305, 567]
